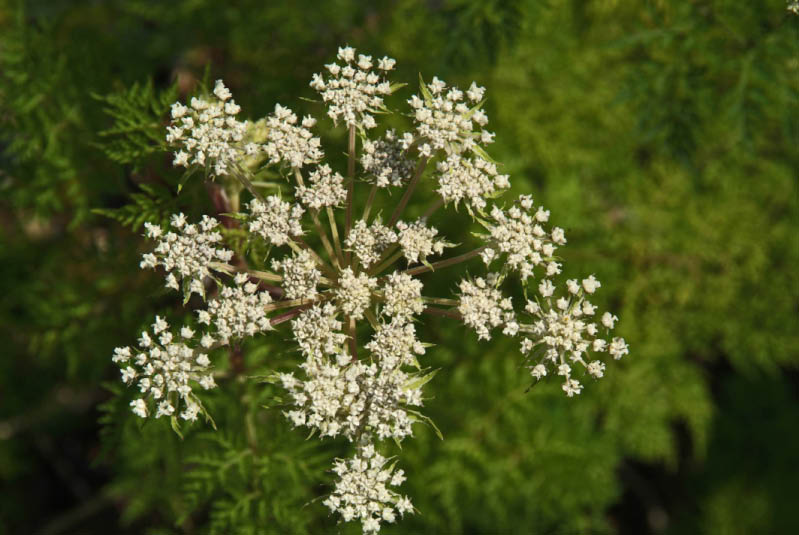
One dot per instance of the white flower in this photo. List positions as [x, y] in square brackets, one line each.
[618, 348]
[353, 93]
[300, 276]
[546, 288]
[189, 254]
[403, 295]
[222, 92]
[572, 387]
[237, 312]
[208, 134]
[524, 242]
[139, 408]
[275, 220]
[469, 179]
[418, 241]
[609, 320]
[445, 122]
[591, 284]
[165, 369]
[387, 161]
[354, 293]
[326, 189]
[289, 143]
[362, 491]
[563, 335]
[317, 331]
[538, 371]
[483, 307]
[369, 243]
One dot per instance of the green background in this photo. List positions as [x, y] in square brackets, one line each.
[664, 138]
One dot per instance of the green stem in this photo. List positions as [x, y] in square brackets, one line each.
[319, 229]
[288, 304]
[297, 244]
[441, 301]
[408, 192]
[385, 264]
[438, 203]
[350, 186]
[454, 314]
[263, 275]
[239, 174]
[445, 263]
[334, 232]
[369, 202]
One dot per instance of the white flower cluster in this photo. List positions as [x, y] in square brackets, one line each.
[326, 189]
[346, 396]
[563, 331]
[793, 6]
[394, 344]
[484, 307]
[418, 241]
[354, 92]
[275, 220]
[369, 242]
[187, 255]
[387, 159]
[162, 369]
[362, 492]
[237, 311]
[317, 331]
[518, 233]
[445, 122]
[289, 143]
[300, 276]
[469, 179]
[403, 295]
[365, 388]
[354, 293]
[207, 132]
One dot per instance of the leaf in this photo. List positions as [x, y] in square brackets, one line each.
[477, 149]
[428, 98]
[173, 421]
[421, 381]
[419, 417]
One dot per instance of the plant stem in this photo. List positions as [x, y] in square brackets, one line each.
[408, 192]
[264, 275]
[334, 231]
[385, 264]
[239, 174]
[318, 225]
[438, 203]
[454, 314]
[369, 202]
[350, 186]
[445, 263]
[289, 304]
[353, 339]
[297, 244]
[441, 301]
[277, 320]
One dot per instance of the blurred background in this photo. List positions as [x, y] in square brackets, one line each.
[664, 138]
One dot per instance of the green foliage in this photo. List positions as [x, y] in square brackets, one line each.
[155, 204]
[138, 131]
